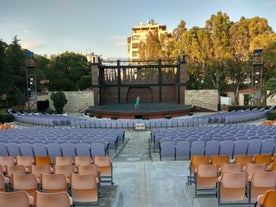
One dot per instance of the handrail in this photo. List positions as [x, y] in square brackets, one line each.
[83, 107]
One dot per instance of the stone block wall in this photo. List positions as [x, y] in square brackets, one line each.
[77, 100]
[203, 98]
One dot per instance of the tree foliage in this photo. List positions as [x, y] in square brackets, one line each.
[218, 55]
[59, 101]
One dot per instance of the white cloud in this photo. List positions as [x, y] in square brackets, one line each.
[31, 44]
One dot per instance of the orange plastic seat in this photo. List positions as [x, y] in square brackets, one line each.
[63, 160]
[243, 159]
[219, 160]
[263, 158]
[16, 199]
[231, 167]
[67, 170]
[60, 199]
[52, 183]
[268, 199]
[104, 164]
[206, 178]
[82, 160]
[25, 182]
[261, 182]
[43, 160]
[252, 167]
[89, 169]
[194, 163]
[231, 188]
[38, 170]
[6, 161]
[26, 161]
[84, 189]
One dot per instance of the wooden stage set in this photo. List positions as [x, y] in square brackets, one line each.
[146, 110]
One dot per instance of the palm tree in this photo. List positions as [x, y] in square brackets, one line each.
[271, 86]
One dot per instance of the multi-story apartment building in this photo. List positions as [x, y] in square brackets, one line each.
[139, 33]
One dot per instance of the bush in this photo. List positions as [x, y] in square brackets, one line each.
[272, 115]
[6, 118]
[59, 101]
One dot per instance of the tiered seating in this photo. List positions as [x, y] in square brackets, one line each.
[232, 183]
[81, 180]
[215, 140]
[59, 141]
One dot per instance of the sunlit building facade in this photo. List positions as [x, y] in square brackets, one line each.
[139, 33]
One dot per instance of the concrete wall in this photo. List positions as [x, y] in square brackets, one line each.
[77, 100]
[203, 98]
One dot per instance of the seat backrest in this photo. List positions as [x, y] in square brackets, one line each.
[26, 149]
[196, 160]
[197, 148]
[6, 161]
[40, 149]
[97, 149]
[66, 160]
[52, 199]
[252, 167]
[226, 148]
[13, 149]
[67, 170]
[43, 160]
[41, 169]
[231, 167]
[260, 182]
[254, 146]
[269, 198]
[82, 160]
[83, 149]
[18, 199]
[220, 159]
[263, 158]
[26, 161]
[243, 159]
[232, 186]
[212, 148]
[17, 169]
[51, 183]
[68, 149]
[89, 169]
[240, 147]
[54, 150]
[268, 146]
[83, 181]
[26, 182]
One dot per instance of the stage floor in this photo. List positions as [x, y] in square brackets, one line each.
[146, 110]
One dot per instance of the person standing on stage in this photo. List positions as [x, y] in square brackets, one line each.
[137, 103]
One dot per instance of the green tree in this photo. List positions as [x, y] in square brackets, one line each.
[16, 76]
[59, 101]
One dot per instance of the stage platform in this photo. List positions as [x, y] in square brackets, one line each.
[146, 110]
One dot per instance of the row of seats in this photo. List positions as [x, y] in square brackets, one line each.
[22, 199]
[232, 182]
[81, 180]
[98, 148]
[62, 135]
[182, 149]
[61, 120]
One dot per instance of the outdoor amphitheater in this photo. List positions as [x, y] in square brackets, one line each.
[181, 161]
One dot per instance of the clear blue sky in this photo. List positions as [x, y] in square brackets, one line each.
[102, 26]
